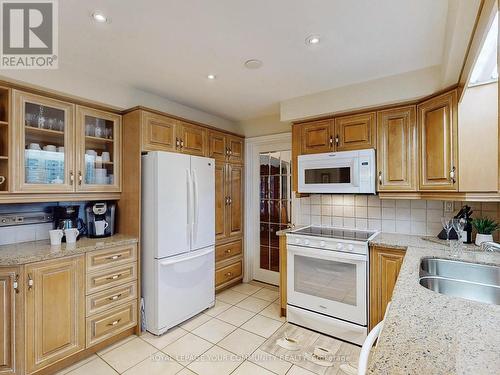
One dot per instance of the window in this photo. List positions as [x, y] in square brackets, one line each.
[486, 69]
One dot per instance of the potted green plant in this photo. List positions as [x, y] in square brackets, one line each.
[485, 228]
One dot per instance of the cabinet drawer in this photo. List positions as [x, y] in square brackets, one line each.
[228, 273]
[228, 250]
[111, 277]
[110, 298]
[111, 322]
[97, 260]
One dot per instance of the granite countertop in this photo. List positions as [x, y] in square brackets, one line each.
[34, 251]
[430, 333]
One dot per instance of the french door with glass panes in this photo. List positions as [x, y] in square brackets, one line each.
[275, 212]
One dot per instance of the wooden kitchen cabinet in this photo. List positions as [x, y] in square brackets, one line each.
[317, 137]
[158, 132]
[40, 123]
[55, 310]
[235, 149]
[220, 200]
[98, 150]
[11, 321]
[397, 149]
[384, 270]
[217, 146]
[235, 195]
[192, 139]
[355, 132]
[438, 143]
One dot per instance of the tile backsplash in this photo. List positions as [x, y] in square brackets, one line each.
[419, 217]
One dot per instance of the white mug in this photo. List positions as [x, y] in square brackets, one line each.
[71, 235]
[100, 226]
[55, 236]
[105, 156]
[50, 148]
[2, 180]
[34, 146]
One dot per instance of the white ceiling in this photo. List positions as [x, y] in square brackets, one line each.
[168, 47]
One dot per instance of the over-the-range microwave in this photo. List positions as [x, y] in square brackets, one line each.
[337, 172]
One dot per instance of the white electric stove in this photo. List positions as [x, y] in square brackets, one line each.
[327, 281]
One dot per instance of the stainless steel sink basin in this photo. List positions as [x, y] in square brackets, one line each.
[475, 282]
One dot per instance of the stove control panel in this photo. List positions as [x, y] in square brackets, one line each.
[357, 247]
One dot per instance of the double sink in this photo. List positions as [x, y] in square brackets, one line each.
[472, 281]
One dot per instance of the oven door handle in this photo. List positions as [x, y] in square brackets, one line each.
[327, 255]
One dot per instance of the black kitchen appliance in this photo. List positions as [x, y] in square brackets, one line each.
[66, 217]
[100, 218]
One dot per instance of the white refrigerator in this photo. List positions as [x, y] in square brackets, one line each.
[178, 238]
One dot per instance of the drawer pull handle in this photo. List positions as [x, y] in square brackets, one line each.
[114, 257]
[115, 297]
[229, 274]
[114, 323]
[114, 277]
[228, 251]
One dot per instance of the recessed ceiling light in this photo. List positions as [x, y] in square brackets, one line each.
[253, 64]
[212, 76]
[313, 39]
[99, 17]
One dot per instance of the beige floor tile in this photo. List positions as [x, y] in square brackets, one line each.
[218, 308]
[95, 367]
[253, 304]
[270, 362]
[241, 342]
[296, 370]
[249, 368]
[169, 337]
[231, 297]
[246, 288]
[215, 361]
[157, 364]
[195, 322]
[235, 316]
[273, 311]
[76, 365]
[129, 354]
[116, 345]
[262, 325]
[267, 294]
[214, 330]
[187, 348]
[186, 371]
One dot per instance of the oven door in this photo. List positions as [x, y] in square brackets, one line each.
[328, 173]
[328, 282]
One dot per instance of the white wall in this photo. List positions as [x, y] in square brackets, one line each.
[265, 125]
[111, 94]
[387, 90]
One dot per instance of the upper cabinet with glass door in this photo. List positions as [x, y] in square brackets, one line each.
[98, 150]
[43, 140]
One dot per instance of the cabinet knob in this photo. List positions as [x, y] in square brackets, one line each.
[380, 177]
[228, 251]
[452, 174]
[229, 274]
[80, 177]
[16, 284]
[177, 143]
[30, 282]
[337, 139]
[71, 177]
[331, 141]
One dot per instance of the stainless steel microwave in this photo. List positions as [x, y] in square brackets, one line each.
[337, 172]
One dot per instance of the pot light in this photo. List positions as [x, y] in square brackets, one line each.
[313, 39]
[212, 76]
[99, 17]
[253, 64]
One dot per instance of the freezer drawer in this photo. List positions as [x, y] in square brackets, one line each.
[185, 288]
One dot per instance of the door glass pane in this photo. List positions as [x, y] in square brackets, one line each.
[99, 151]
[275, 204]
[332, 280]
[339, 175]
[44, 144]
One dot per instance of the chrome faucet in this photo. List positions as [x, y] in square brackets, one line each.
[490, 246]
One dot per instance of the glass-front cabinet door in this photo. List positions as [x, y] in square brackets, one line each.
[99, 150]
[43, 144]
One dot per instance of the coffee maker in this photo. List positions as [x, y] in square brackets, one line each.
[66, 217]
[100, 219]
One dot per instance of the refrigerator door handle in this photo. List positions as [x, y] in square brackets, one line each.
[195, 204]
[168, 262]
[189, 207]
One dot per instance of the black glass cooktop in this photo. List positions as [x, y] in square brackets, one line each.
[344, 234]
